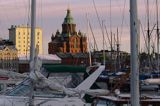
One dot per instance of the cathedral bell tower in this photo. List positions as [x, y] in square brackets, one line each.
[68, 26]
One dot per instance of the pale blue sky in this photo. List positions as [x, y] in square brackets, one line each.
[50, 15]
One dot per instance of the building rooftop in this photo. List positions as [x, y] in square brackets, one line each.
[42, 57]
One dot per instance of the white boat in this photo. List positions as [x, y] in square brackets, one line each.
[37, 90]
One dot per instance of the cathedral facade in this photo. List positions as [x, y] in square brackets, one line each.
[69, 40]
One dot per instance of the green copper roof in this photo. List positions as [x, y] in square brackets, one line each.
[68, 19]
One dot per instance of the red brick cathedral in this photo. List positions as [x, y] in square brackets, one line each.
[69, 40]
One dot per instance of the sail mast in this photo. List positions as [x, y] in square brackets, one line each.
[32, 47]
[134, 54]
[33, 26]
[157, 36]
[148, 35]
[104, 55]
[118, 51]
[88, 40]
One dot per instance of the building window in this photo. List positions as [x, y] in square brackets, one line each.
[38, 33]
[76, 43]
[19, 33]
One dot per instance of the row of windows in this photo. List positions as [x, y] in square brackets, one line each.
[75, 51]
[38, 33]
[26, 45]
[27, 37]
[24, 42]
[24, 50]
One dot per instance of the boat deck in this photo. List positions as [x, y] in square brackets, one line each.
[124, 100]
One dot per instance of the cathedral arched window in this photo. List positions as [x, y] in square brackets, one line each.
[76, 43]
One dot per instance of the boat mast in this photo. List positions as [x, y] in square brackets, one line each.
[33, 26]
[148, 35]
[88, 39]
[118, 51]
[134, 54]
[104, 54]
[110, 14]
[157, 36]
[32, 47]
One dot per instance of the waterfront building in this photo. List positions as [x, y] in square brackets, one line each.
[69, 40]
[46, 59]
[21, 37]
[8, 56]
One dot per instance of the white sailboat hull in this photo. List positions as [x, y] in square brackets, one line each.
[152, 81]
[39, 101]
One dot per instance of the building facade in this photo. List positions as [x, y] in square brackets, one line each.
[8, 56]
[69, 40]
[21, 37]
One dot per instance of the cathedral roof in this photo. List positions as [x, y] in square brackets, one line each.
[68, 19]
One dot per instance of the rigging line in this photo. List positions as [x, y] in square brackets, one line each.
[40, 13]
[18, 10]
[105, 41]
[41, 6]
[157, 36]
[153, 11]
[97, 14]
[88, 40]
[153, 41]
[110, 17]
[123, 13]
[93, 35]
[28, 27]
[145, 39]
[3, 19]
[26, 10]
[145, 12]
[41, 22]
[99, 21]
[103, 33]
[152, 30]
[148, 35]
[107, 35]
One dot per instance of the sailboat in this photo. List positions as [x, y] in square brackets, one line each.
[37, 90]
[155, 81]
[133, 98]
